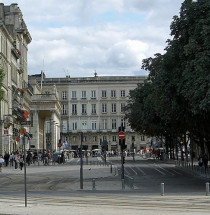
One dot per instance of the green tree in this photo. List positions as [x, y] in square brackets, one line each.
[178, 93]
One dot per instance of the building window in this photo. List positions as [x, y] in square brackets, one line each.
[93, 94]
[122, 122]
[113, 110]
[93, 125]
[64, 109]
[84, 109]
[103, 93]
[114, 123]
[114, 138]
[93, 109]
[84, 139]
[142, 138]
[74, 139]
[64, 126]
[104, 109]
[84, 125]
[47, 92]
[83, 94]
[64, 95]
[74, 94]
[74, 126]
[94, 138]
[122, 107]
[104, 124]
[74, 109]
[113, 93]
[104, 138]
[122, 93]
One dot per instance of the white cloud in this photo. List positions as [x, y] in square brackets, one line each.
[112, 36]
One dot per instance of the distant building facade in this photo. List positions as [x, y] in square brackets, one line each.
[95, 107]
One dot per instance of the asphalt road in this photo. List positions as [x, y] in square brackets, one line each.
[149, 174]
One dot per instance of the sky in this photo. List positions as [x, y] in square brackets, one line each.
[81, 37]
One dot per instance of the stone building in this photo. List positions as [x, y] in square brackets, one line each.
[93, 106]
[15, 38]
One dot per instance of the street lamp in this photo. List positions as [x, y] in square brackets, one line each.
[81, 163]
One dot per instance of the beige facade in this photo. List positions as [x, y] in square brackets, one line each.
[14, 38]
[95, 107]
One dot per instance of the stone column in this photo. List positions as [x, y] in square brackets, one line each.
[35, 130]
[52, 128]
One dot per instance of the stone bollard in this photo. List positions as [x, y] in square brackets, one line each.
[93, 184]
[162, 189]
[207, 188]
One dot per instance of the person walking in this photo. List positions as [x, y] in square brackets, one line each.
[200, 160]
[21, 162]
[205, 161]
[11, 159]
[1, 162]
[16, 160]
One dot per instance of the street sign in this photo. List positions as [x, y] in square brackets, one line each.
[25, 123]
[121, 135]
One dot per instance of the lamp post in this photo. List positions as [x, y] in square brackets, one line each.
[81, 163]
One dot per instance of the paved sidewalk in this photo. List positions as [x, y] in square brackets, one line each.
[145, 205]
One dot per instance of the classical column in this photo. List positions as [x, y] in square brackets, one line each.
[52, 132]
[35, 130]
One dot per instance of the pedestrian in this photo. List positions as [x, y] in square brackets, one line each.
[1, 162]
[6, 159]
[205, 161]
[21, 162]
[200, 160]
[11, 159]
[16, 160]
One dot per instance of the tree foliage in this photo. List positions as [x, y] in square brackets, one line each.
[176, 98]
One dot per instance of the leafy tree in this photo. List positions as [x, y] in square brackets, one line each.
[176, 99]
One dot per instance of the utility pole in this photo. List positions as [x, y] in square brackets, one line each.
[121, 136]
[81, 163]
[25, 186]
[133, 140]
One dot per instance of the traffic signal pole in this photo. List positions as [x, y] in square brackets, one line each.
[81, 164]
[122, 147]
[122, 161]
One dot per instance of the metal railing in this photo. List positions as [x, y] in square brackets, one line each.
[195, 169]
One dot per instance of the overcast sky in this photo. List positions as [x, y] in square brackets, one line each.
[111, 37]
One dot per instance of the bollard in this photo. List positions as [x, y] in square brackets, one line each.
[123, 184]
[93, 184]
[111, 168]
[162, 189]
[207, 188]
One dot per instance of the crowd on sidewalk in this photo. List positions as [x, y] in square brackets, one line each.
[16, 159]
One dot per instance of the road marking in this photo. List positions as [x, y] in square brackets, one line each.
[143, 173]
[133, 170]
[165, 170]
[158, 170]
[50, 182]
